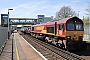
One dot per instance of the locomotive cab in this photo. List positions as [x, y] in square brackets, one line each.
[74, 33]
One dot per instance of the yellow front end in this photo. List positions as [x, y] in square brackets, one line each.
[74, 35]
[74, 39]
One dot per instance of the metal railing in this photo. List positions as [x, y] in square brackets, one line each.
[87, 32]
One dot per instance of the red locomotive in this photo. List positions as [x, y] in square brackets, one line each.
[66, 33]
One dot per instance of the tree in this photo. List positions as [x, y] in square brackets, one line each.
[88, 9]
[88, 12]
[85, 21]
[64, 12]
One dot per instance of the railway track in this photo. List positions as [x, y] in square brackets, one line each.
[51, 52]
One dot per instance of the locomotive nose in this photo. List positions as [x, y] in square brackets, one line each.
[75, 35]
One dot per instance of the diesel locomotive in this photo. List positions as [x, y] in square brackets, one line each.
[66, 33]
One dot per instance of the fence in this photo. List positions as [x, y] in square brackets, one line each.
[3, 35]
[87, 33]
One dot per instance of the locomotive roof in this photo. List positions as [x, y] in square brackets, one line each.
[63, 20]
[58, 22]
[66, 19]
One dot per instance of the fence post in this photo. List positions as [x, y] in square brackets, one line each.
[12, 44]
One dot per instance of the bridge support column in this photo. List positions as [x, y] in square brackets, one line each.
[35, 21]
[25, 21]
[19, 21]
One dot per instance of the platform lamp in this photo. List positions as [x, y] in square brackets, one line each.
[78, 13]
[8, 23]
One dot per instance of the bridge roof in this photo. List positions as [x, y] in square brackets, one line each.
[23, 18]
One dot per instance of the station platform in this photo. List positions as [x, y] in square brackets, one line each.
[22, 50]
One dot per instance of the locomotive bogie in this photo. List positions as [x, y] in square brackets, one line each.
[55, 41]
[48, 39]
[37, 35]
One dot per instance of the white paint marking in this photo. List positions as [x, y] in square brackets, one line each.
[35, 49]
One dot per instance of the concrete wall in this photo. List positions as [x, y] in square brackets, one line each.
[3, 35]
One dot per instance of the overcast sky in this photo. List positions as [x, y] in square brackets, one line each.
[32, 8]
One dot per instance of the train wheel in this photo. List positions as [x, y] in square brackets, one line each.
[54, 41]
[47, 39]
[36, 36]
[64, 42]
[59, 43]
[31, 34]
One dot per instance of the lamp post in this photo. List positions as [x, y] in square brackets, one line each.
[8, 23]
[9, 33]
[78, 13]
[88, 26]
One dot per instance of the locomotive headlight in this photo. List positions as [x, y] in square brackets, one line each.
[80, 37]
[68, 37]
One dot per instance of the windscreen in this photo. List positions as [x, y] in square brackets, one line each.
[70, 26]
[79, 27]
[74, 24]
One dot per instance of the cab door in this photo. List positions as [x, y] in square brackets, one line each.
[55, 28]
[61, 30]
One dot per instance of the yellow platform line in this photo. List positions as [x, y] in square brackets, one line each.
[17, 53]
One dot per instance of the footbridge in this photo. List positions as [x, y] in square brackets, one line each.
[20, 21]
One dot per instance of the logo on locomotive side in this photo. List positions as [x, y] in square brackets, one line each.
[75, 32]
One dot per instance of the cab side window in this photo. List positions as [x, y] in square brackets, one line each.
[32, 28]
[61, 26]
